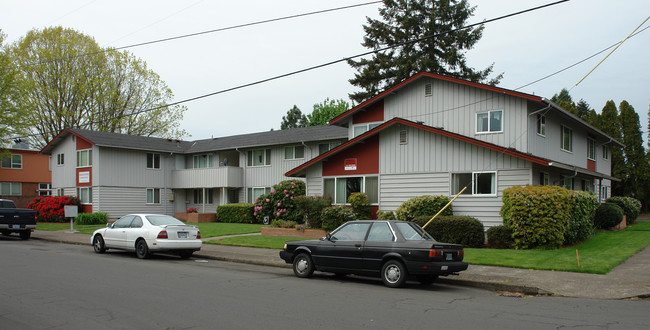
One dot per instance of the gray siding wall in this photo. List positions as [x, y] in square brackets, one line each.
[315, 180]
[128, 168]
[64, 176]
[118, 201]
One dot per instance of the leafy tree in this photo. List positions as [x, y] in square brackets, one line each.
[325, 111]
[67, 80]
[636, 170]
[293, 119]
[10, 115]
[610, 125]
[402, 22]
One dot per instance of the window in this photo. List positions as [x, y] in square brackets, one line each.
[481, 183]
[253, 193]
[588, 185]
[44, 189]
[380, 232]
[12, 161]
[541, 125]
[351, 232]
[60, 159]
[362, 128]
[591, 149]
[339, 189]
[59, 191]
[567, 182]
[153, 196]
[202, 161]
[489, 122]
[325, 147]
[136, 223]
[605, 152]
[603, 192]
[199, 197]
[85, 195]
[259, 157]
[295, 152]
[84, 158]
[543, 179]
[11, 188]
[153, 160]
[567, 139]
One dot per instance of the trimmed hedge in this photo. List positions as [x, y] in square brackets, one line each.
[385, 215]
[283, 224]
[235, 213]
[334, 216]
[537, 215]
[631, 207]
[360, 205]
[608, 215]
[311, 208]
[91, 219]
[581, 221]
[500, 237]
[427, 205]
[461, 229]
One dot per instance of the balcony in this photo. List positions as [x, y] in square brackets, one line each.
[223, 176]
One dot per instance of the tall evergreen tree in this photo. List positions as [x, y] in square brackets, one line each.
[564, 100]
[636, 179]
[583, 109]
[610, 125]
[293, 119]
[403, 21]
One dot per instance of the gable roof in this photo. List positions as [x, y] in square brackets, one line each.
[136, 142]
[300, 170]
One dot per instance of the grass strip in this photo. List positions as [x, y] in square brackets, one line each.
[213, 229]
[267, 242]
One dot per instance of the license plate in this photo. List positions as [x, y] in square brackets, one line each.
[450, 257]
[15, 226]
[182, 234]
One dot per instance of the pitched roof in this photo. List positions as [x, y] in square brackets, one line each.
[126, 141]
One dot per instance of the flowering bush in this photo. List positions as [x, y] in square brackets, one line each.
[191, 210]
[51, 208]
[279, 204]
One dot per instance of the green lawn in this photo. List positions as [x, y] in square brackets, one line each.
[640, 226]
[267, 242]
[213, 229]
[85, 229]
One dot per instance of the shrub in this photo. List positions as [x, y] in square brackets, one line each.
[91, 219]
[334, 216]
[279, 203]
[283, 224]
[192, 210]
[360, 205]
[537, 215]
[310, 209]
[500, 237]
[51, 208]
[631, 207]
[581, 220]
[423, 205]
[462, 229]
[385, 215]
[608, 215]
[236, 213]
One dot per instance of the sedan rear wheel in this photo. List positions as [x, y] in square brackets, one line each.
[393, 274]
[303, 266]
[142, 250]
[98, 244]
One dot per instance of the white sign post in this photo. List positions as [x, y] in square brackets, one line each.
[71, 211]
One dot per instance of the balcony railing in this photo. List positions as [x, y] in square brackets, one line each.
[223, 176]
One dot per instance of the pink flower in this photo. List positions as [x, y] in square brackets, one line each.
[285, 190]
[291, 197]
[286, 195]
[268, 200]
[273, 191]
[279, 203]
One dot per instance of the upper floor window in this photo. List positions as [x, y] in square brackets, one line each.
[84, 158]
[254, 193]
[605, 152]
[12, 161]
[11, 188]
[591, 149]
[489, 122]
[259, 157]
[567, 139]
[295, 152]
[481, 183]
[60, 159]
[153, 160]
[202, 161]
[325, 147]
[541, 125]
[362, 128]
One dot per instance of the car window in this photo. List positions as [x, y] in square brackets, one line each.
[351, 232]
[123, 222]
[413, 232]
[160, 220]
[137, 222]
[380, 232]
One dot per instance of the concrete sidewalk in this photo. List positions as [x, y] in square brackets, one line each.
[628, 280]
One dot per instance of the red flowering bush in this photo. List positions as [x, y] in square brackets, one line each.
[192, 210]
[51, 208]
[279, 203]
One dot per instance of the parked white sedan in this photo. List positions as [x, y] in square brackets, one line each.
[146, 234]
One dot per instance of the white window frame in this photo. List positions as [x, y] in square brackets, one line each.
[196, 161]
[489, 121]
[60, 159]
[45, 189]
[89, 157]
[15, 188]
[89, 199]
[266, 157]
[365, 127]
[292, 151]
[155, 161]
[472, 191]
[570, 131]
[591, 149]
[363, 187]
[12, 163]
[251, 193]
[153, 192]
[541, 125]
[605, 152]
[330, 146]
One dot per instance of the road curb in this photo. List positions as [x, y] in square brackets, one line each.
[492, 286]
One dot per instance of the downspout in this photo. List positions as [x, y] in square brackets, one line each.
[540, 110]
[244, 170]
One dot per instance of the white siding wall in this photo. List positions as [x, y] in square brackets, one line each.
[64, 176]
[118, 201]
[315, 180]
[128, 168]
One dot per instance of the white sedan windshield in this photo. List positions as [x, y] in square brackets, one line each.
[160, 220]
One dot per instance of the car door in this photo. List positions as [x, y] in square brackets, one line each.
[343, 250]
[115, 236]
[133, 232]
[380, 240]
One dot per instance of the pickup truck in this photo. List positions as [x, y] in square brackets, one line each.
[14, 220]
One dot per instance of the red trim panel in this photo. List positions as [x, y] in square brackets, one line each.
[591, 165]
[373, 113]
[365, 156]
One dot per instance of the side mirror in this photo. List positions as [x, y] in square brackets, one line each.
[109, 225]
[328, 237]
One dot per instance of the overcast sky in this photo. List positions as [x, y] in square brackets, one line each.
[523, 48]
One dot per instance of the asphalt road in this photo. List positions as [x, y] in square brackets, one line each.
[60, 286]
